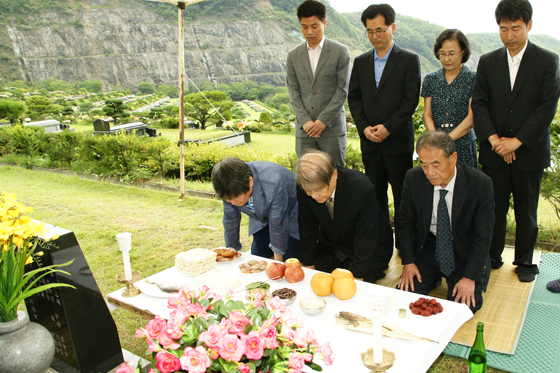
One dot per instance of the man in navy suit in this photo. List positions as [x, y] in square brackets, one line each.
[340, 223]
[447, 215]
[266, 192]
[383, 94]
[514, 101]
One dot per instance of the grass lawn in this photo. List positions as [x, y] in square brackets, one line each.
[161, 227]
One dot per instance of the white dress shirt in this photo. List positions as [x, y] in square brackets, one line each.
[448, 199]
[314, 54]
[513, 64]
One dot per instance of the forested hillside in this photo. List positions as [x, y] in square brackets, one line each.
[125, 42]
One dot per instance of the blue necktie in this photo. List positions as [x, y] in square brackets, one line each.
[444, 238]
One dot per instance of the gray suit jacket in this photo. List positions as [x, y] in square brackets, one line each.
[275, 204]
[320, 96]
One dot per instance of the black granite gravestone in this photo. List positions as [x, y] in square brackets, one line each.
[85, 334]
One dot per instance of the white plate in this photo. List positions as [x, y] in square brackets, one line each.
[426, 317]
[263, 272]
[218, 282]
[237, 257]
[153, 290]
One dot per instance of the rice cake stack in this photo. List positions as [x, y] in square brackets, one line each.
[195, 261]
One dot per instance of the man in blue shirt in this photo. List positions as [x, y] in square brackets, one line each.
[383, 94]
[266, 192]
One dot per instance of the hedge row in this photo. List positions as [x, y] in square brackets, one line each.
[126, 156]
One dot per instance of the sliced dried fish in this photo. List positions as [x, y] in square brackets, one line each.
[359, 323]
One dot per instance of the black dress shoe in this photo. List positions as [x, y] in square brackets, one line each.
[526, 277]
[496, 265]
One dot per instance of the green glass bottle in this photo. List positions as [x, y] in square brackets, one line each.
[477, 356]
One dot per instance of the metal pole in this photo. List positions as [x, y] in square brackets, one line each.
[181, 8]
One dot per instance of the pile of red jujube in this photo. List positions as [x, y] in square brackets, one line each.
[426, 307]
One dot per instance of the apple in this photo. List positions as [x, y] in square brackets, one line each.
[292, 262]
[294, 274]
[275, 270]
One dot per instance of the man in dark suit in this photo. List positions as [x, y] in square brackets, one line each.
[447, 214]
[266, 192]
[514, 101]
[317, 78]
[340, 223]
[383, 94]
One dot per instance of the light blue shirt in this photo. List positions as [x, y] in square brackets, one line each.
[379, 64]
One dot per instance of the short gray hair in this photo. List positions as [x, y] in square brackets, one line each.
[314, 170]
[436, 140]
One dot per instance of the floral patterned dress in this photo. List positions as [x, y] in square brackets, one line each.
[450, 105]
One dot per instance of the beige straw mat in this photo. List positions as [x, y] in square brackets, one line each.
[503, 312]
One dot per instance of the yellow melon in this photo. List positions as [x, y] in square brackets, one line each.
[344, 288]
[321, 284]
[341, 273]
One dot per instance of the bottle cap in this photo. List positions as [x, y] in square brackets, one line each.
[480, 326]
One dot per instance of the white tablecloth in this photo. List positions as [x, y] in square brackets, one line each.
[411, 356]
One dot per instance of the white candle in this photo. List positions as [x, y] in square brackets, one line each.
[125, 242]
[377, 345]
[127, 269]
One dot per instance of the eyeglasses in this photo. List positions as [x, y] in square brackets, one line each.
[451, 54]
[378, 31]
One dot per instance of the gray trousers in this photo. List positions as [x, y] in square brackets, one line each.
[333, 146]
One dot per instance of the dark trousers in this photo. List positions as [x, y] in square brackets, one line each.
[431, 274]
[508, 179]
[382, 170]
[261, 240]
[328, 262]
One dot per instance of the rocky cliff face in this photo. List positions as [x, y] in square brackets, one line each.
[127, 46]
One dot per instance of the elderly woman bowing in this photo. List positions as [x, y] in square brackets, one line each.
[448, 92]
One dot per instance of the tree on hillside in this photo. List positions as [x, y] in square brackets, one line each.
[265, 118]
[93, 85]
[238, 91]
[67, 110]
[114, 107]
[146, 88]
[12, 110]
[85, 106]
[197, 108]
[39, 106]
[168, 90]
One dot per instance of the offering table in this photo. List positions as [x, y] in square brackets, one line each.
[411, 356]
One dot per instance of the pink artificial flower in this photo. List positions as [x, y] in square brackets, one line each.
[269, 334]
[296, 362]
[288, 318]
[196, 309]
[238, 321]
[307, 357]
[179, 316]
[214, 353]
[152, 346]
[254, 346]
[125, 368]
[195, 360]
[328, 353]
[257, 299]
[153, 371]
[168, 342]
[299, 339]
[244, 368]
[167, 363]
[312, 338]
[277, 304]
[176, 299]
[231, 347]
[288, 333]
[155, 327]
[212, 336]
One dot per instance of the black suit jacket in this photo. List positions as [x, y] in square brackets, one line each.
[392, 103]
[357, 227]
[472, 219]
[525, 113]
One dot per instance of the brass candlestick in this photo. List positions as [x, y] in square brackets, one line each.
[130, 290]
[388, 360]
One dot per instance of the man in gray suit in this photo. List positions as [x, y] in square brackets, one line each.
[266, 192]
[318, 73]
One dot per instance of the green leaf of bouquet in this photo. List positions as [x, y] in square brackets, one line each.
[257, 320]
[314, 366]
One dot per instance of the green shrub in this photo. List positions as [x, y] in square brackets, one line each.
[352, 132]
[354, 159]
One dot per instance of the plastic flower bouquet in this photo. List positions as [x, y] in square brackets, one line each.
[18, 241]
[207, 334]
